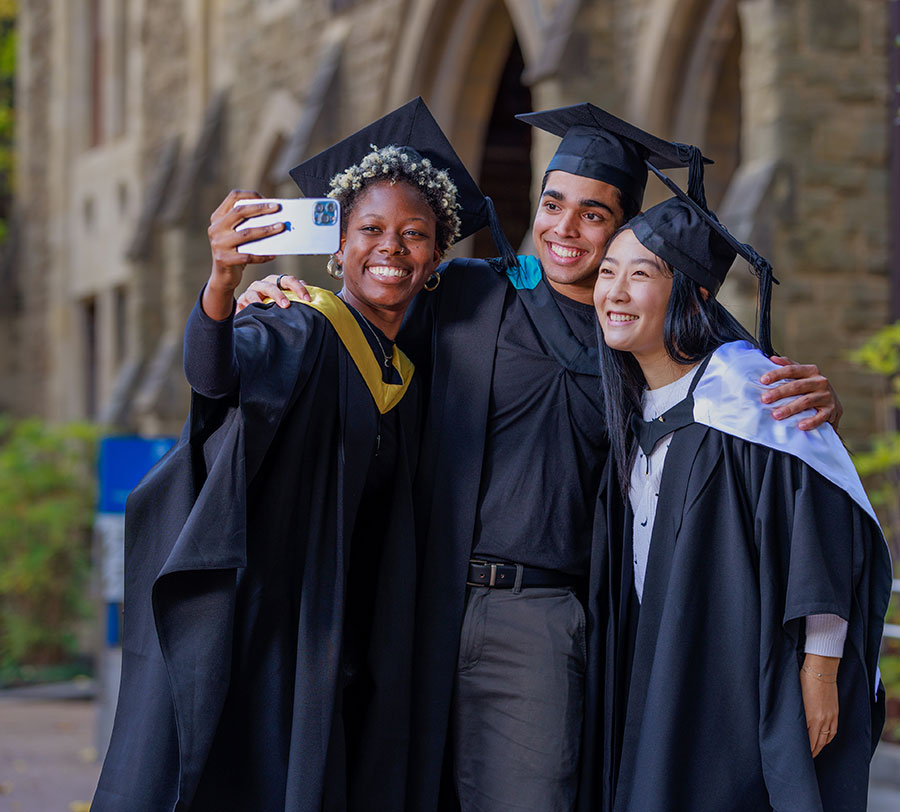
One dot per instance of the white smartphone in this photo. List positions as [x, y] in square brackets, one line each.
[313, 226]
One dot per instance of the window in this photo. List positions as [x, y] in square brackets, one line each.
[89, 356]
[120, 324]
[97, 69]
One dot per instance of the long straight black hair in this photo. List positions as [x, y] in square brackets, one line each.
[695, 325]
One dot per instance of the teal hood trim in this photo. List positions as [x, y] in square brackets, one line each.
[527, 273]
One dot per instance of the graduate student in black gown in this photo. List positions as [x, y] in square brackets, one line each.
[749, 587]
[511, 461]
[271, 558]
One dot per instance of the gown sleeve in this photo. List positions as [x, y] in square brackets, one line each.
[210, 365]
[819, 553]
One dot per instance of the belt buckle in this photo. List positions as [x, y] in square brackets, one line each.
[492, 564]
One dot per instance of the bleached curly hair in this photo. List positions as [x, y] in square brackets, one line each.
[394, 164]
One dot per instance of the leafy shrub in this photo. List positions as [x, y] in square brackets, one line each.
[46, 511]
[879, 467]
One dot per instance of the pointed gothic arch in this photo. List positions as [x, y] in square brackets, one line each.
[468, 64]
[687, 81]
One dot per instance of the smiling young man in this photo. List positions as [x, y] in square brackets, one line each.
[510, 465]
[574, 221]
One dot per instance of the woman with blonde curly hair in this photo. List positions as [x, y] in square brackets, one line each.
[271, 560]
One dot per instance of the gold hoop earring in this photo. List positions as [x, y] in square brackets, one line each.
[334, 268]
[432, 282]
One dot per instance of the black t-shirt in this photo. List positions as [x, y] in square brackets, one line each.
[545, 447]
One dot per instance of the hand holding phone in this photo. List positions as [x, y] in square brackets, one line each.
[312, 226]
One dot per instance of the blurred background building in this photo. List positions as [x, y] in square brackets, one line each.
[135, 118]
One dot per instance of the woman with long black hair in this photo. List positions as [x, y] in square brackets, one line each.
[749, 587]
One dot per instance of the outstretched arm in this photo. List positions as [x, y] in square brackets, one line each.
[809, 387]
[209, 361]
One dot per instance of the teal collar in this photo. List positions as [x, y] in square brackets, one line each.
[526, 274]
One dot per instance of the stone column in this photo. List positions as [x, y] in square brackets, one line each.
[815, 104]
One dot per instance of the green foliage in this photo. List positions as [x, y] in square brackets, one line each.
[890, 675]
[881, 354]
[879, 467]
[46, 513]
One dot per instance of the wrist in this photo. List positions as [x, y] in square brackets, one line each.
[217, 301]
[223, 284]
[821, 668]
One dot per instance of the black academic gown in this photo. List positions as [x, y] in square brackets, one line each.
[237, 547]
[451, 335]
[704, 709]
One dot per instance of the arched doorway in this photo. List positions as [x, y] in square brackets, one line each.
[689, 86]
[469, 71]
[708, 108]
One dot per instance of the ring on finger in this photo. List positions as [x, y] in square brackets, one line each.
[278, 281]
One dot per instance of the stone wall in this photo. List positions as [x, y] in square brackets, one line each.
[816, 95]
[27, 357]
[215, 91]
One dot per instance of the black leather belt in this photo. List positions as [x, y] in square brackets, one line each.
[503, 576]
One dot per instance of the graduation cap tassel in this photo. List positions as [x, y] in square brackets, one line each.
[692, 156]
[763, 270]
[507, 255]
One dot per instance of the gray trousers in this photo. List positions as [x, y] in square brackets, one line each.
[518, 700]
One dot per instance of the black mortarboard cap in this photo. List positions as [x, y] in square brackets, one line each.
[596, 144]
[692, 240]
[413, 128]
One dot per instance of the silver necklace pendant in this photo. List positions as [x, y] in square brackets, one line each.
[387, 358]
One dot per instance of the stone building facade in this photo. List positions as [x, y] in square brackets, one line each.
[136, 117]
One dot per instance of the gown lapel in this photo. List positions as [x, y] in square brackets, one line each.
[669, 514]
[556, 333]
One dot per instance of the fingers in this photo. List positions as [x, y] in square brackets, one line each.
[821, 736]
[781, 360]
[823, 406]
[790, 369]
[248, 297]
[820, 700]
[268, 288]
[822, 728]
[224, 238]
[298, 286]
[822, 416]
[795, 399]
[226, 207]
[808, 386]
[814, 741]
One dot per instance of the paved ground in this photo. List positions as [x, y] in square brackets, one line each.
[47, 758]
[48, 762]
